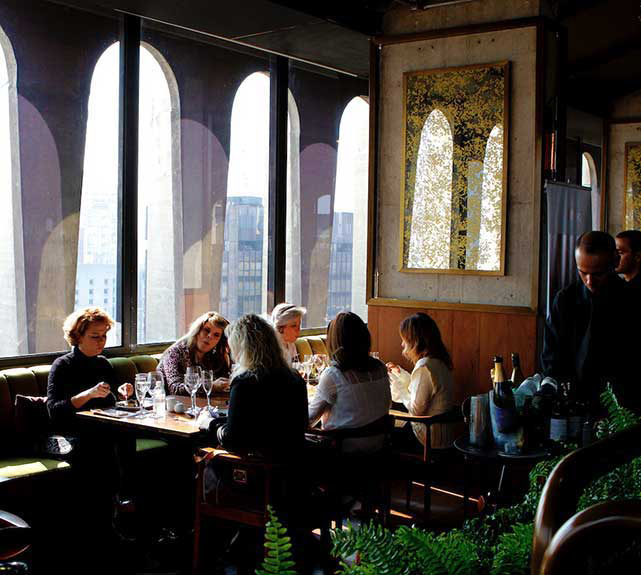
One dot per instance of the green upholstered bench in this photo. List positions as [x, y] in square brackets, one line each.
[310, 344]
[32, 381]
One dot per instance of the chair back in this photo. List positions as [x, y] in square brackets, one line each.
[565, 484]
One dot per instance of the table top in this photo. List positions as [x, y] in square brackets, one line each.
[172, 424]
[463, 445]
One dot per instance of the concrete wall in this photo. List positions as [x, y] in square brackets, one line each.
[518, 286]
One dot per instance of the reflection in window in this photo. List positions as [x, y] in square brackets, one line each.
[159, 201]
[590, 179]
[97, 236]
[244, 278]
[348, 259]
[586, 179]
[432, 205]
[489, 257]
[293, 291]
[13, 339]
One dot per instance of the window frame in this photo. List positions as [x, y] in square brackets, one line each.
[126, 289]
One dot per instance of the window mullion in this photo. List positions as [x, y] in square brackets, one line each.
[128, 192]
[279, 76]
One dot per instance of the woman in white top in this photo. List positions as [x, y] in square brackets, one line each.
[355, 389]
[429, 390]
[287, 318]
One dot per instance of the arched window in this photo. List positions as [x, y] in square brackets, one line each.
[432, 204]
[489, 256]
[98, 228]
[244, 282]
[158, 188]
[160, 293]
[13, 329]
[348, 259]
[590, 179]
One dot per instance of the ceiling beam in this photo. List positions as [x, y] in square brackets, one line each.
[604, 57]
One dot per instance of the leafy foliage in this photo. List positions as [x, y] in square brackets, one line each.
[496, 544]
[624, 482]
[278, 560]
[513, 552]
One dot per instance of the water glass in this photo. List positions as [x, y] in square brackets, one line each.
[141, 386]
[207, 383]
[192, 384]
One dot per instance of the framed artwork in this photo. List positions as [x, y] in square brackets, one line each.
[453, 202]
[632, 187]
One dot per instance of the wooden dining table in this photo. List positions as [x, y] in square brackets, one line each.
[171, 426]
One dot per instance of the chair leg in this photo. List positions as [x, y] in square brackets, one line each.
[427, 500]
[408, 494]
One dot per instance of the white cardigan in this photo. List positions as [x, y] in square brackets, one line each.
[429, 390]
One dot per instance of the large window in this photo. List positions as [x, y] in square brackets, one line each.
[199, 179]
[327, 162]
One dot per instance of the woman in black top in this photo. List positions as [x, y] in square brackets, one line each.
[83, 379]
[268, 400]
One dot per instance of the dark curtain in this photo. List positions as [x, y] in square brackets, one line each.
[569, 214]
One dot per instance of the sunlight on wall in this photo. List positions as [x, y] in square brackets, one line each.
[432, 208]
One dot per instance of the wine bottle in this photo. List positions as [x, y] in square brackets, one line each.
[503, 393]
[575, 416]
[517, 374]
[559, 418]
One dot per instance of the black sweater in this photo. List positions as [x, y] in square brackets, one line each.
[71, 374]
[267, 413]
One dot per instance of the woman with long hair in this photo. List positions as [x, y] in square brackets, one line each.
[355, 389]
[429, 389]
[204, 345]
[268, 400]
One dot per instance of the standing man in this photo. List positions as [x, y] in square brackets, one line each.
[629, 250]
[586, 327]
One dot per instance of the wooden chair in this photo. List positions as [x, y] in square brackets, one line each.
[15, 536]
[259, 483]
[421, 466]
[560, 534]
[364, 476]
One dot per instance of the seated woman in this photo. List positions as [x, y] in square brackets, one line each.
[83, 379]
[268, 401]
[287, 318]
[429, 390]
[204, 345]
[355, 389]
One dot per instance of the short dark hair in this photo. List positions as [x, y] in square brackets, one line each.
[596, 242]
[633, 237]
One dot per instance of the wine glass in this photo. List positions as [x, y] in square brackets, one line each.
[192, 384]
[151, 379]
[207, 383]
[308, 364]
[141, 386]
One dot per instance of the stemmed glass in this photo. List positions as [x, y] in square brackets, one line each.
[141, 387]
[192, 383]
[207, 382]
[307, 366]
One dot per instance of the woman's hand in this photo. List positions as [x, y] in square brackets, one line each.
[221, 385]
[126, 389]
[392, 367]
[99, 390]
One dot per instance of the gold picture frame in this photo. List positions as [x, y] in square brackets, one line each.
[632, 187]
[455, 170]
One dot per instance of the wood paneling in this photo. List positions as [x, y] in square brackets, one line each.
[472, 338]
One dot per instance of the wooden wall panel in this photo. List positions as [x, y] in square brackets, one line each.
[472, 338]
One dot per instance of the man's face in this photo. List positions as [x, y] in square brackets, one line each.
[628, 260]
[594, 269]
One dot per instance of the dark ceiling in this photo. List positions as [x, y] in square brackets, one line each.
[604, 51]
[604, 36]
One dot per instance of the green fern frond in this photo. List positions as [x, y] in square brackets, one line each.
[278, 560]
[514, 551]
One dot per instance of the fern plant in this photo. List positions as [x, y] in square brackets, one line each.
[514, 551]
[278, 560]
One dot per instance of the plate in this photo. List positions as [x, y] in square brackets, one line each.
[132, 405]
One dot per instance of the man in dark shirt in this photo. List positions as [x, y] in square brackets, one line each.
[586, 335]
[629, 250]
